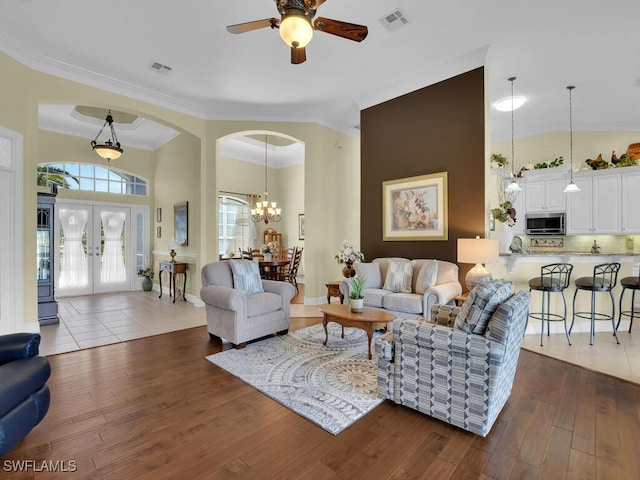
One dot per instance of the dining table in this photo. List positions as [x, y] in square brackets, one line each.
[271, 269]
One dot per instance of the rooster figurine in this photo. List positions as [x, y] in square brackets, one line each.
[598, 163]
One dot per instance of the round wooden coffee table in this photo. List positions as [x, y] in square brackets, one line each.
[367, 320]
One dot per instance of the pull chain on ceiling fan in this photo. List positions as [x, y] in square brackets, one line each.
[296, 28]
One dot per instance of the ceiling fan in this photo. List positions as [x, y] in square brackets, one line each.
[296, 28]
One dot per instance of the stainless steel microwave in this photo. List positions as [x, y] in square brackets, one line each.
[545, 223]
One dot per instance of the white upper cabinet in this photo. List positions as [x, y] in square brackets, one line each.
[545, 193]
[596, 208]
[630, 201]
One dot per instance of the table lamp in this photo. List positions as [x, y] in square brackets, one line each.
[477, 250]
[172, 246]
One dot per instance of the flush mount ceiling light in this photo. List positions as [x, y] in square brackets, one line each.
[513, 186]
[110, 149]
[508, 104]
[571, 187]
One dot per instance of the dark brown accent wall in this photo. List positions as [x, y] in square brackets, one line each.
[435, 129]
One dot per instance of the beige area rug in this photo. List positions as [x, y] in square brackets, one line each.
[332, 385]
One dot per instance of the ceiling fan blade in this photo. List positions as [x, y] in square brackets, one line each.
[255, 25]
[350, 31]
[298, 55]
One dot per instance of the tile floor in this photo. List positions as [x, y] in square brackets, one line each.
[96, 320]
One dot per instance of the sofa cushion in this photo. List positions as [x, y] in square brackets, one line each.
[399, 275]
[261, 303]
[370, 272]
[246, 276]
[403, 302]
[427, 277]
[373, 297]
[481, 304]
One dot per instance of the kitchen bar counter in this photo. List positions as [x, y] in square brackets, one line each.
[544, 257]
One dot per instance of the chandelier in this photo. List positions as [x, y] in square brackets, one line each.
[109, 150]
[265, 210]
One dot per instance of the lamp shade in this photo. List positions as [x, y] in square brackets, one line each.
[296, 30]
[477, 250]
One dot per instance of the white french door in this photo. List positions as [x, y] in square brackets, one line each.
[95, 249]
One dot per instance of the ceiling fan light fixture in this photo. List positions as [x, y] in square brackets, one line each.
[295, 30]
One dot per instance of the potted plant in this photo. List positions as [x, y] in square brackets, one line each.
[356, 300]
[147, 273]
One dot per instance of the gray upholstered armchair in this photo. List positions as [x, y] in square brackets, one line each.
[239, 311]
[459, 369]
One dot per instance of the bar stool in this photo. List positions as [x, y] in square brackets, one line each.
[632, 283]
[554, 278]
[604, 279]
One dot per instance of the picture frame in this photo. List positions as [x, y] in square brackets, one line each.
[158, 232]
[301, 226]
[181, 223]
[415, 208]
[158, 215]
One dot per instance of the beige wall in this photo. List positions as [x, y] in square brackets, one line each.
[332, 173]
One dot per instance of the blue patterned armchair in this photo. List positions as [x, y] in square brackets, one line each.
[461, 367]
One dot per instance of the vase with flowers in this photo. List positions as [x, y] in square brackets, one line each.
[270, 250]
[348, 255]
[147, 283]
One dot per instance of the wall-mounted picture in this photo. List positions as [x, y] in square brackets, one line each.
[158, 215]
[158, 232]
[181, 223]
[415, 208]
[301, 226]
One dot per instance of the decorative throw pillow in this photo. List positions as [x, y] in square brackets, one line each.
[399, 276]
[427, 277]
[483, 300]
[370, 272]
[246, 276]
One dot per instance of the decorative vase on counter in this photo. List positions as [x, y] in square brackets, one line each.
[147, 284]
[505, 237]
[348, 271]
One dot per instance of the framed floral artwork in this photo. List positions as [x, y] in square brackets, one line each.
[415, 208]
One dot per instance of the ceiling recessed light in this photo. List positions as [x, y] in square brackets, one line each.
[504, 105]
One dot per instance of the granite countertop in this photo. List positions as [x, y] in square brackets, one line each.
[540, 253]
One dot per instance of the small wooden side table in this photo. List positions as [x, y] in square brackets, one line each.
[333, 290]
[460, 299]
[173, 268]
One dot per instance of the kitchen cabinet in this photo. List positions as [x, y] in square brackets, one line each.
[545, 194]
[596, 208]
[630, 200]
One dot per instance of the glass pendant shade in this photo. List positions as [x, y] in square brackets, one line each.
[571, 186]
[296, 30]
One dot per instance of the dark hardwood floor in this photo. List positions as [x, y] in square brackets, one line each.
[154, 408]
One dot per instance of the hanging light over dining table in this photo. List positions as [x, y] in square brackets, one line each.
[264, 210]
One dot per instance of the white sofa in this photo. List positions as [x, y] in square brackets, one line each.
[432, 282]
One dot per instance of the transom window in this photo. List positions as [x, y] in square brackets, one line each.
[88, 177]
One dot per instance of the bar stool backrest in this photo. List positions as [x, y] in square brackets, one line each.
[556, 276]
[605, 276]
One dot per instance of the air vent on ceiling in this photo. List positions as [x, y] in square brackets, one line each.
[394, 20]
[158, 67]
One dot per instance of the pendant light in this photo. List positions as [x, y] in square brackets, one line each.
[266, 211]
[111, 149]
[513, 186]
[571, 187]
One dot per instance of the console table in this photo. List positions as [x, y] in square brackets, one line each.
[173, 269]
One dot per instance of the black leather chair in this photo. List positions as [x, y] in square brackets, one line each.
[24, 394]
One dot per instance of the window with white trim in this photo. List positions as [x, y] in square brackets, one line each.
[89, 177]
